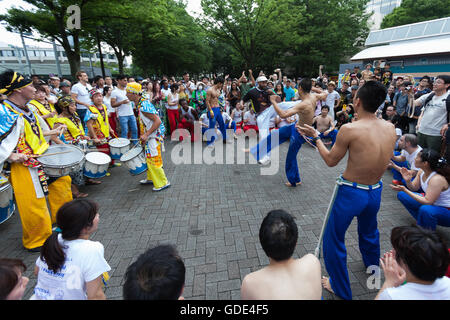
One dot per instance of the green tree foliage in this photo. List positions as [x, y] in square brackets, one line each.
[295, 34]
[184, 47]
[412, 11]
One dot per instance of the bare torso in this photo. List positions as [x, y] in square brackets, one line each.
[370, 149]
[323, 123]
[212, 97]
[297, 280]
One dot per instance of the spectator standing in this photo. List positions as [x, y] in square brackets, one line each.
[234, 96]
[70, 266]
[401, 100]
[419, 258]
[198, 99]
[279, 90]
[244, 85]
[80, 93]
[124, 110]
[333, 98]
[367, 73]
[172, 107]
[285, 278]
[434, 116]
[288, 91]
[423, 87]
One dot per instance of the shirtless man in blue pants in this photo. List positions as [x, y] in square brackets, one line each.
[370, 143]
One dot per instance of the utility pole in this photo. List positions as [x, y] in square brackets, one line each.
[100, 51]
[26, 52]
[58, 66]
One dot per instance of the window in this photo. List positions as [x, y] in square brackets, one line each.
[9, 53]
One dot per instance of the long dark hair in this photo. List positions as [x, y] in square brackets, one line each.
[438, 164]
[8, 275]
[71, 219]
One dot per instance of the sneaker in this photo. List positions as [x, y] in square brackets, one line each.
[397, 182]
[264, 161]
[117, 164]
[145, 181]
[162, 188]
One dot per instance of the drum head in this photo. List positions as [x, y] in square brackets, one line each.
[73, 156]
[98, 158]
[131, 154]
[119, 142]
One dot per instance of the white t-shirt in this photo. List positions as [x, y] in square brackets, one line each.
[399, 134]
[204, 119]
[411, 157]
[251, 117]
[172, 98]
[226, 117]
[330, 101]
[434, 116]
[124, 109]
[439, 290]
[82, 93]
[85, 262]
[107, 103]
[165, 94]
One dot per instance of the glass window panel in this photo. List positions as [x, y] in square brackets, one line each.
[386, 35]
[416, 30]
[447, 26]
[434, 27]
[400, 33]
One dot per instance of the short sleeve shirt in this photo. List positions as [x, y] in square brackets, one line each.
[84, 262]
[82, 93]
[434, 115]
[148, 107]
[123, 110]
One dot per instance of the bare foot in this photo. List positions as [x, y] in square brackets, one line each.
[326, 284]
[288, 184]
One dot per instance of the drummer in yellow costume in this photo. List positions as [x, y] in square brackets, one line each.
[152, 131]
[43, 107]
[74, 134]
[29, 182]
[98, 125]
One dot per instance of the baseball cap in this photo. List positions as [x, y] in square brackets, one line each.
[332, 83]
[261, 79]
[355, 87]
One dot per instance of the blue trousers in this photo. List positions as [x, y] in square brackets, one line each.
[332, 135]
[349, 202]
[396, 174]
[212, 124]
[427, 216]
[280, 136]
[128, 123]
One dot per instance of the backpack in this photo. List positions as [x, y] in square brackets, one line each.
[447, 104]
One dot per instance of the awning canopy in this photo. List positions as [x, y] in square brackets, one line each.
[407, 48]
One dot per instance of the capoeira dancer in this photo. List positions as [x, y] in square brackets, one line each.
[28, 179]
[213, 112]
[370, 143]
[305, 110]
[152, 134]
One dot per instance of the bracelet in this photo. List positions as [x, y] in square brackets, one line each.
[316, 138]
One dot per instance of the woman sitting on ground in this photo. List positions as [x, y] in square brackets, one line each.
[432, 208]
[420, 258]
[72, 267]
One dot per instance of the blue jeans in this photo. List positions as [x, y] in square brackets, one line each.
[128, 123]
[427, 216]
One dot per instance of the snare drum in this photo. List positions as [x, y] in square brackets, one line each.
[59, 165]
[135, 160]
[7, 205]
[96, 164]
[118, 147]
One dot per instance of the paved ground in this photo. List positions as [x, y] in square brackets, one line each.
[212, 214]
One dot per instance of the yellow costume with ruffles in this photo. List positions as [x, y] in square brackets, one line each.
[30, 186]
[45, 110]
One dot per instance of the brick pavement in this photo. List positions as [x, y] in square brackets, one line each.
[212, 214]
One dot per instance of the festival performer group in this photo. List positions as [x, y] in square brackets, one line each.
[30, 125]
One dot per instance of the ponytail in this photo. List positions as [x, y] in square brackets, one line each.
[52, 253]
[71, 219]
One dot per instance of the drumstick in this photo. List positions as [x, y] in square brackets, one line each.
[48, 154]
